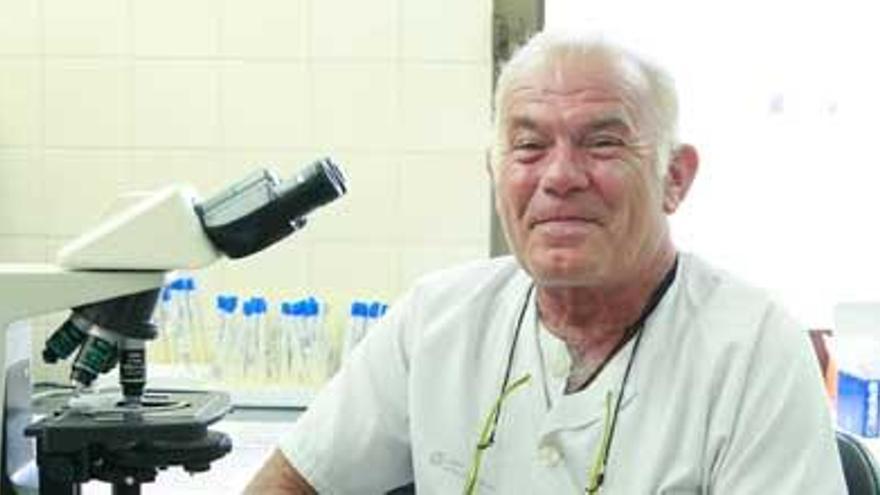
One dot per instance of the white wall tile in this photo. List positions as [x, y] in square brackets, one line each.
[152, 169]
[370, 209]
[445, 106]
[22, 249]
[19, 27]
[343, 28]
[20, 102]
[88, 103]
[81, 186]
[278, 271]
[216, 89]
[266, 104]
[356, 105]
[264, 28]
[175, 104]
[176, 28]
[419, 260]
[22, 193]
[348, 271]
[448, 30]
[445, 197]
[86, 27]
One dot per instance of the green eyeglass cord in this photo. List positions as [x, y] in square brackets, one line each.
[486, 435]
[594, 476]
[597, 473]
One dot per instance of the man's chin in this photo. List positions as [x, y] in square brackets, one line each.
[565, 273]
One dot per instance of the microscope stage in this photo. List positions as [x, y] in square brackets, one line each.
[163, 415]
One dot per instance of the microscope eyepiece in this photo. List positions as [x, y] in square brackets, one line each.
[260, 210]
[317, 185]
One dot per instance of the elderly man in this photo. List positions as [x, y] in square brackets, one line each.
[599, 358]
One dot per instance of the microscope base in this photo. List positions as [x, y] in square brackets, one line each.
[128, 446]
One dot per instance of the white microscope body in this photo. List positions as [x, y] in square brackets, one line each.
[131, 250]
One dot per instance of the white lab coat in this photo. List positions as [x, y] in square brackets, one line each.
[724, 397]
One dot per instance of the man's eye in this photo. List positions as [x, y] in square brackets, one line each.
[606, 142]
[527, 145]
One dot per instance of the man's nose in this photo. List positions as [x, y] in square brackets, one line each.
[565, 173]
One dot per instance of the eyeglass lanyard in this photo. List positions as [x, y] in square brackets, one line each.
[596, 476]
[490, 423]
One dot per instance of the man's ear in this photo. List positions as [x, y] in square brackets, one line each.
[681, 173]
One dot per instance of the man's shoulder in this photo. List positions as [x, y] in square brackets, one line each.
[729, 301]
[483, 272]
[481, 283]
[705, 282]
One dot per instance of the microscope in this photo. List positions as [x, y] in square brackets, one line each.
[110, 279]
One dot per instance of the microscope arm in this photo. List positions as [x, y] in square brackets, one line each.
[29, 290]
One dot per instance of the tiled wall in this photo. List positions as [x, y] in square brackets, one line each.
[103, 96]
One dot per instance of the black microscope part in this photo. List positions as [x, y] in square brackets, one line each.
[132, 373]
[127, 316]
[282, 214]
[130, 446]
[63, 341]
[96, 355]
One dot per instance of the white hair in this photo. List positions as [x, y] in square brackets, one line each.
[547, 48]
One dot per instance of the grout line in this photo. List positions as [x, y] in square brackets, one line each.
[331, 60]
[219, 74]
[127, 177]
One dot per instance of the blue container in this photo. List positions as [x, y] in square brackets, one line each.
[857, 404]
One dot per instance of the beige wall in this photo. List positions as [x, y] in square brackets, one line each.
[102, 96]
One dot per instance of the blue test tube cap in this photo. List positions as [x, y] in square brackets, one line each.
[166, 293]
[355, 308]
[177, 284]
[384, 309]
[227, 303]
[310, 307]
[375, 307]
[189, 284]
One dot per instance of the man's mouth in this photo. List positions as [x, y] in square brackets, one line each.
[561, 220]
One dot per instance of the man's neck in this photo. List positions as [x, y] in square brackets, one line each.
[592, 320]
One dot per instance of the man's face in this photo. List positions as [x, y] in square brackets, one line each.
[577, 186]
